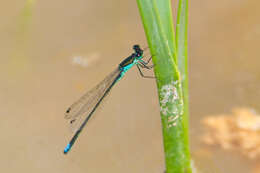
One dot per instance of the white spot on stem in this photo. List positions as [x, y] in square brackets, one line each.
[171, 103]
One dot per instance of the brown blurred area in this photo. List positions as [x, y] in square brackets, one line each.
[239, 131]
[53, 51]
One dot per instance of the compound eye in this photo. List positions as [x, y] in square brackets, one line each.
[136, 47]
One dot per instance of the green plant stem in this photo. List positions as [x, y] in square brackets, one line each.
[182, 50]
[182, 54]
[157, 20]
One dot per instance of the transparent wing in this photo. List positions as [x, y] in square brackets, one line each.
[79, 110]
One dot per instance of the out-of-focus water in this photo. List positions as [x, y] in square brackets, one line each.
[53, 51]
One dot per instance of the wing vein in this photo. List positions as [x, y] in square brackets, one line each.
[78, 111]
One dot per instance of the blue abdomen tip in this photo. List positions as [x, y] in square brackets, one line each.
[66, 150]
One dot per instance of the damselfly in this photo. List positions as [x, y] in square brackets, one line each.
[81, 111]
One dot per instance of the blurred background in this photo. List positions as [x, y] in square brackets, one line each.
[53, 51]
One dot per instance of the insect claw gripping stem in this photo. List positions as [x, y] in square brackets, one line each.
[141, 73]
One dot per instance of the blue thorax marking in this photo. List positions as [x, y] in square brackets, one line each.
[125, 68]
